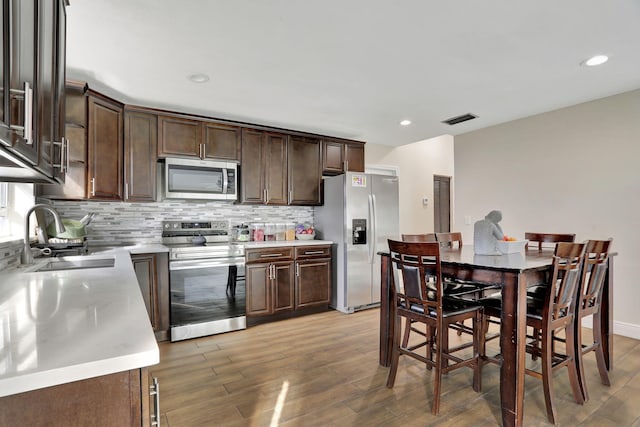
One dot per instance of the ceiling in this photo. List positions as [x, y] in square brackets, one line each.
[356, 68]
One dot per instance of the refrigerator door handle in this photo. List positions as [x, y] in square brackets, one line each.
[372, 227]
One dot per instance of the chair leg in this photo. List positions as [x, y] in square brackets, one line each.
[407, 331]
[597, 333]
[572, 366]
[547, 374]
[477, 340]
[430, 341]
[580, 361]
[435, 406]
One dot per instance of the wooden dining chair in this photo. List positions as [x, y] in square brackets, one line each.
[417, 290]
[424, 237]
[557, 312]
[589, 303]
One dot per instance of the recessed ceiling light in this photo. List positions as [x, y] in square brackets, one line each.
[405, 122]
[198, 78]
[595, 60]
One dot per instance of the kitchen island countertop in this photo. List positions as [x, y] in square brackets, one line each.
[67, 325]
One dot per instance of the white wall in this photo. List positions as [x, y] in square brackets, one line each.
[417, 163]
[570, 170]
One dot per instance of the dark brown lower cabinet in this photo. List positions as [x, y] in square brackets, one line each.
[115, 400]
[287, 281]
[152, 272]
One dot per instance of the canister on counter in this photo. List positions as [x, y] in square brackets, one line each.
[290, 231]
[257, 231]
[280, 231]
[269, 231]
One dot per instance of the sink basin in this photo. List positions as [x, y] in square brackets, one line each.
[76, 264]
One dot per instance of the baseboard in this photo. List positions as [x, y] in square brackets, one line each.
[628, 330]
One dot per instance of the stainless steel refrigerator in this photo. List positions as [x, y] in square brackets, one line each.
[359, 214]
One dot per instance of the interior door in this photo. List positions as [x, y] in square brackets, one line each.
[441, 203]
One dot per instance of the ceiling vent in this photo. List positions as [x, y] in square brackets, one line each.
[459, 119]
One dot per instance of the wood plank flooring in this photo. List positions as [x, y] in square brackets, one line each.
[322, 370]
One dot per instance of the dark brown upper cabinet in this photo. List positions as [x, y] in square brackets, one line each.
[32, 67]
[263, 171]
[104, 148]
[304, 170]
[340, 156]
[180, 136]
[140, 155]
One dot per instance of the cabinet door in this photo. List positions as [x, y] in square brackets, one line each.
[283, 286]
[332, 157]
[275, 167]
[105, 149]
[313, 282]
[258, 283]
[354, 155]
[221, 141]
[140, 148]
[152, 272]
[252, 167]
[304, 171]
[178, 136]
[21, 63]
[43, 114]
[60, 152]
[145, 268]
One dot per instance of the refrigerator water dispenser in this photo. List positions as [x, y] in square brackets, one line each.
[359, 231]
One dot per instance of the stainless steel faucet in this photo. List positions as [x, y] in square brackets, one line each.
[27, 257]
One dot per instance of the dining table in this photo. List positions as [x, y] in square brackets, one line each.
[513, 273]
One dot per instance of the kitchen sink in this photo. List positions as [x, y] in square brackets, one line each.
[76, 264]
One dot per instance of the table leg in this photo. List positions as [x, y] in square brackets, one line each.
[512, 346]
[387, 314]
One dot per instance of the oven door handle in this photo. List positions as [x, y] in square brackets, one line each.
[205, 263]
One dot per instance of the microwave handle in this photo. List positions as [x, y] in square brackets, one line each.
[225, 180]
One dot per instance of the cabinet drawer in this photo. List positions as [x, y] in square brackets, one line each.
[269, 254]
[304, 252]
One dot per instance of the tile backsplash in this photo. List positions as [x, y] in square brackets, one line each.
[141, 223]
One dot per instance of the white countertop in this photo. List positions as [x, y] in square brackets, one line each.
[62, 326]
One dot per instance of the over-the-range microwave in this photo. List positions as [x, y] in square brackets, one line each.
[198, 179]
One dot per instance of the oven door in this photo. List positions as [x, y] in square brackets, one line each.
[207, 297]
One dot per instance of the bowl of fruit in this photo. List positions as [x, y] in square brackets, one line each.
[305, 231]
[510, 245]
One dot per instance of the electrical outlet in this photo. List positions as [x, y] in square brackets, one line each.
[467, 220]
[425, 201]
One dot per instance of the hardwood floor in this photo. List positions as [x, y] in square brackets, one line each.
[322, 370]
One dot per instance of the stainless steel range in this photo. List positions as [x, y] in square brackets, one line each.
[206, 278]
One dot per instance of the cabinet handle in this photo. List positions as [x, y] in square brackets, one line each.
[271, 273]
[266, 195]
[346, 165]
[297, 269]
[93, 186]
[27, 129]
[63, 165]
[67, 144]
[155, 392]
[270, 255]
[290, 196]
[314, 252]
[126, 190]
[204, 151]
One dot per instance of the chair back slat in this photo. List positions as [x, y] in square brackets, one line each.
[425, 237]
[567, 265]
[594, 273]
